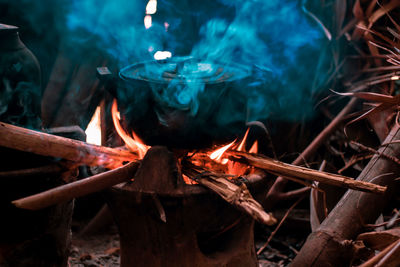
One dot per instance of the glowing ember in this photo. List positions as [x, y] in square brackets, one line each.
[93, 130]
[187, 180]
[134, 144]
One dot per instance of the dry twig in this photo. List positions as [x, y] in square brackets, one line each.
[279, 226]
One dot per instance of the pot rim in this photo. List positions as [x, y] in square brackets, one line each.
[245, 70]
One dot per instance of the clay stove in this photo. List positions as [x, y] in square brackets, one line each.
[164, 222]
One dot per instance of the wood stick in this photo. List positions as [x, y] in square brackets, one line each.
[238, 196]
[79, 188]
[284, 169]
[391, 259]
[60, 147]
[43, 170]
[377, 258]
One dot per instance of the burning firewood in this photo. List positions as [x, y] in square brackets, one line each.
[237, 195]
[288, 170]
[60, 147]
[79, 188]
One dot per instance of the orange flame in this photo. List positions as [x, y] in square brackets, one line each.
[217, 154]
[254, 148]
[134, 144]
[241, 146]
[234, 167]
[93, 130]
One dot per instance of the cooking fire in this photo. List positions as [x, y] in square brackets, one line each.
[199, 133]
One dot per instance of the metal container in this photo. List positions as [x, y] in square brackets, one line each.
[20, 80]
[176, 102]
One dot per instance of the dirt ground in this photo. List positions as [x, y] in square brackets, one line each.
[102, 249]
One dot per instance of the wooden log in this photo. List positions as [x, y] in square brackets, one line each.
[330, 244]
[79, 188]
[60, 147]
[284, 169]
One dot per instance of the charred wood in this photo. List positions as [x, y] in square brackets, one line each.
[237, 195]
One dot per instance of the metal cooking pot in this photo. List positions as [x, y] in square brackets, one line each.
[180, 102]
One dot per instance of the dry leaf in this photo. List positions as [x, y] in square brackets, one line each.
[380, 240]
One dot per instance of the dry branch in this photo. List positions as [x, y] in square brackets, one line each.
[79, 188]
[60, 147]
[276, 191]
[238, 196]
[284, 169]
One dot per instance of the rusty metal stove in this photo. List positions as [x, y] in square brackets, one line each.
[164, 222]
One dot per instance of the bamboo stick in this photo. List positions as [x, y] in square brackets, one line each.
[284, 169]
[60, 147]
[79, 188]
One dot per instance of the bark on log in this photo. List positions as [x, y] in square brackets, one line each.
[79, 188]
[330, 244]
[60, 147]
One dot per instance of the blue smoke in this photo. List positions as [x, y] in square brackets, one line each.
[281, 44]
[274, 39]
